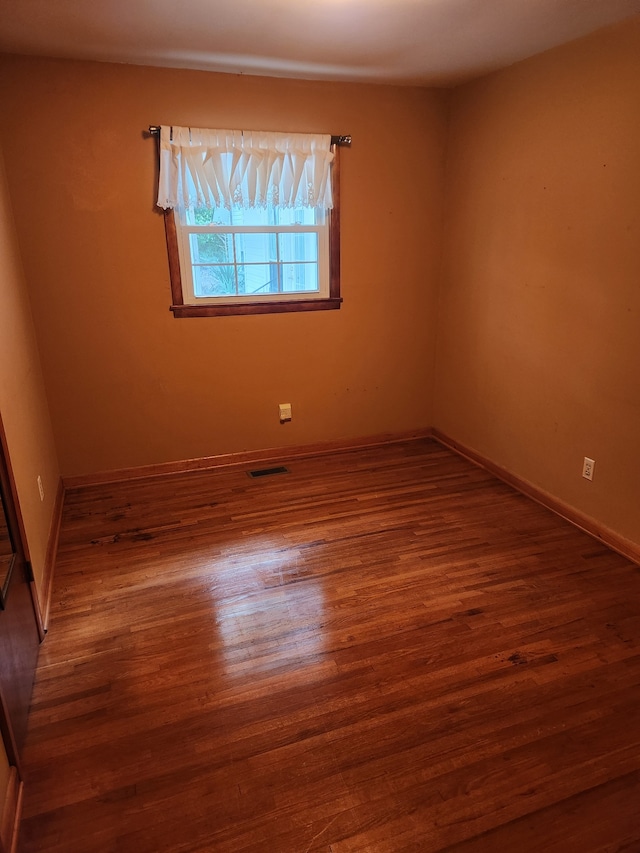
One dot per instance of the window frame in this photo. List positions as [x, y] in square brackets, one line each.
[273, 305]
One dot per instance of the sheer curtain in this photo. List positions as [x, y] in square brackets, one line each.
[223, 168]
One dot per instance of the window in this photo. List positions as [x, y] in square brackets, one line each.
[252, 221]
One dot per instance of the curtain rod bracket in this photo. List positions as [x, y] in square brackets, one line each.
[154, 130]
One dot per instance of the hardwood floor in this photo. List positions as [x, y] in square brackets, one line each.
[383, 650]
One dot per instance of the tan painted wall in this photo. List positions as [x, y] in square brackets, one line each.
[23, 401]
[539, 330]
[24, 409]
[129, 384]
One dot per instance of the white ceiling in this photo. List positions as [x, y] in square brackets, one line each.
[425, 42]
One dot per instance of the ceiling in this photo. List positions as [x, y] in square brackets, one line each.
[423, 42]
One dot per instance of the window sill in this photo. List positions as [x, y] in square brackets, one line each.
[281, 307]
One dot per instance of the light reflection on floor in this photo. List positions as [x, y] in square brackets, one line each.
[267, 613]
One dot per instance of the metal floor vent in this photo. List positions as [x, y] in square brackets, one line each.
[267, 472]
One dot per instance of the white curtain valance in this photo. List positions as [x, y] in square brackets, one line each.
[223, 168]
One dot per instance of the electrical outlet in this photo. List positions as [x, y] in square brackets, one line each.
[587, 468]
[285, 412]
[40, 487]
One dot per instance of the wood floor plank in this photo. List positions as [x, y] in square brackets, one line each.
[386, 649]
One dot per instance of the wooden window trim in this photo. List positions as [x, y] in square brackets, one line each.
[284, 306]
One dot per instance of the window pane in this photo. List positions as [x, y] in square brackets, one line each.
[287, 216]
[211, 248]
[299, 277]
[298, 247]
[214, 281]
[253, 216]
[255, 248]
[298, 216]
[258, 279]
[207, 216]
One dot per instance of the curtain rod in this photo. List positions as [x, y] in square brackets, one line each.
[154, 130]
